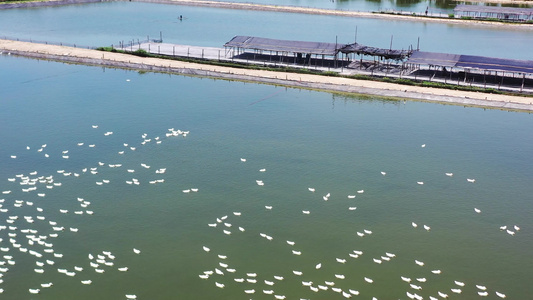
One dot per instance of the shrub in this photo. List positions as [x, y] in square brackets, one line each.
[141, 53]
[107, 49]
[330, 73]
[405, 81]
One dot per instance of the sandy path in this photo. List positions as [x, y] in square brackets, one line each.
[87, 56]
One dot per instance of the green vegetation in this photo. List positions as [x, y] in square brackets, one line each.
[451, 16]
[330, 73]
[141, 53]
[107, 49]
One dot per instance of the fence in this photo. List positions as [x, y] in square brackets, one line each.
[120, 45]
[47, 42]
[130, 44]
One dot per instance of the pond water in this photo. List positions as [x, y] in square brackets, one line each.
[103, 24]
[292, 140]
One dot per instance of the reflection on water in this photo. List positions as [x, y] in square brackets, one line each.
[444, 6]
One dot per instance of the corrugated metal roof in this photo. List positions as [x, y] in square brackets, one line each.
[471, 61]
[366, 50]
[265, 44]
[433, 58]
[495, 64]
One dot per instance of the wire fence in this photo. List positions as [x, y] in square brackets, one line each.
[47, 42]
[130, 44]
[121, 44]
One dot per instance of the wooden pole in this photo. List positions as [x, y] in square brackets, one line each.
[335, 65]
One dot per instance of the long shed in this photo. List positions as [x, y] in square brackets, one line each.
[275, 45]
[498, 12]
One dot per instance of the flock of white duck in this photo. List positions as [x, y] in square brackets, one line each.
[23, 237]
[224, 274]
[24, 234]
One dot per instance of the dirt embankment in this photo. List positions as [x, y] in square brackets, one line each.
[318, 82]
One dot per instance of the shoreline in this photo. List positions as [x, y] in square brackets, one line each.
[44, 3]
[517, 2]
[295, 80]
[330, 12]
[285, 9]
